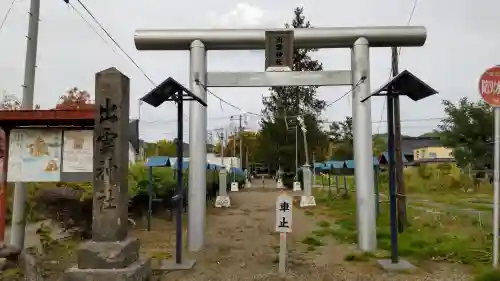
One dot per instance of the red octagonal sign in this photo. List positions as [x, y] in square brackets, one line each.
[489, 86]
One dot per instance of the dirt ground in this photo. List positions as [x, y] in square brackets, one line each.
[241, 245]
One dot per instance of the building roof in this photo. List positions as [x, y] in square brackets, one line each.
[385, 156]
[408, 144]
[158, 161]
[405, 83]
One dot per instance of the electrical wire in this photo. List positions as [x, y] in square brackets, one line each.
[108, 34]
[205, 87]
[91, 26]
[360, 81]
[115, 42]
[4, 20]
[412, 13]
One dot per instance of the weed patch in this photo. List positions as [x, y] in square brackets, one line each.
[431, 236]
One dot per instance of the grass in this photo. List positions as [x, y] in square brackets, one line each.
[312, 243]
[437, 237]
[488, 275]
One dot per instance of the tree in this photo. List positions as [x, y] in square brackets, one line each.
[74, 98]
[9, 102]
[250, 146]
[379, 145]
[341, 130]
[468, 130]
[341, 135]
[277, 140]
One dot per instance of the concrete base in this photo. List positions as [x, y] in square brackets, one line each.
[170, 265]
[402, 265]
[222, 201]
[140, 270]
[307, 201]
[296, 186]
[234, 186]
[108, 255]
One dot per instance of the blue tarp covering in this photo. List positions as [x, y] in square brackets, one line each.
[237, 171]
[213, 166]
[185, 162]
[350, 164]
[173, 162]
[158, 161]
[386, 157]
[319, 165]
[335, 164]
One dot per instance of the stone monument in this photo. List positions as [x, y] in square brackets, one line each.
[111, 254]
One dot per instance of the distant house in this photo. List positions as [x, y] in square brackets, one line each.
[418, 150]
[433, 154]
[409, 144]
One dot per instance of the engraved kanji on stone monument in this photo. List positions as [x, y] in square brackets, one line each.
[111, 156]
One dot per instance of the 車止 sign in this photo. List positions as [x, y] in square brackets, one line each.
[284, 213]
[279, 49]
[489, 86]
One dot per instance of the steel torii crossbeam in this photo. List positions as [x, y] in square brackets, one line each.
[358, 39]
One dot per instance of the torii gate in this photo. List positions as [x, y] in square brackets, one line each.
[358, 39]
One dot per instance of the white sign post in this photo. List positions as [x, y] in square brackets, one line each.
[234, 186]
[296, 186]
[489, 88]
[279, 184]
[283, 226]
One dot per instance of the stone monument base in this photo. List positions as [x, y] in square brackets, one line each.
[109, 261]
[307, 201]
[140, 270]
[222, 201]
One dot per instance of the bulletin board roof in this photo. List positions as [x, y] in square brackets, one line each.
[52, 117]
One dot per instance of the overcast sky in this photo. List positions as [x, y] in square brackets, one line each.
[462, 42]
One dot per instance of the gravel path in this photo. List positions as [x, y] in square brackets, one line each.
[241, 245]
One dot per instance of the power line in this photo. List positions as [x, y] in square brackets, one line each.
[361, 81]
[115, 42]
[402, 121]
[91, 26]
[205, 87]
[173, 121]
[108, 34]
[412, 13]
[7, 14]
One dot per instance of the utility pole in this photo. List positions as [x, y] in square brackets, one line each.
[234, 154]
[20, 190]
[401, 196]
[239, 118]
[314, 169]
[296, 150]
[220, 134]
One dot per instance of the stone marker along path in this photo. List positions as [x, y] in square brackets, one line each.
[241, 244]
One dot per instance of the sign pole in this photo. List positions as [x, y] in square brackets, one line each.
[284, 205]
[496, 186]
[489, 88]
[283, 252]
